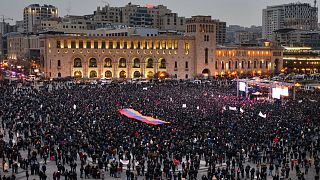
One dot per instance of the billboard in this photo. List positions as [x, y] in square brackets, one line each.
[276, 93]
[242, 86]
[280, 91]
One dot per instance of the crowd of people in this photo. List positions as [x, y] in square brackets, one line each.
[79, 128]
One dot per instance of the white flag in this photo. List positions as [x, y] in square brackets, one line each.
[300, 101]
[241, 110]
[312, 100]
[184, 106]
[262, 115]
[232, 108]
[74, 107]
[171, 99]
[145, 88]
[198, 107]
[124, 162]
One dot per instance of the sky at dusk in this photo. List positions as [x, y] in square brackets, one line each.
[241, 12]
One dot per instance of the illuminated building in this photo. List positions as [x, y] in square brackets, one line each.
[35, 13]
[301, 60]
[183, 57]
[300, 16]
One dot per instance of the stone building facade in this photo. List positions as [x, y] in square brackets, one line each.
[183, 57]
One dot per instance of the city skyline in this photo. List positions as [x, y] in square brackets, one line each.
[241, 14]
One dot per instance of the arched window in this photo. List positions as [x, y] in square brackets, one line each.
[162, 64]
[149, 63]
[77, 63]
[150, 74]
[222, 65]
[122, 63]
[136, 63]
[59, 74]
[108, 74]
[93, 74]
[108, 63]
[136, 74]
[92, 62]
[122, 74]
[78, 74]
[59, 63]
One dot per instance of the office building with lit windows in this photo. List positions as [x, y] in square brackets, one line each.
[35, 13]
[188, 56]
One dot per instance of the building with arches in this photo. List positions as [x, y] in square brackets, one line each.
[188, 56]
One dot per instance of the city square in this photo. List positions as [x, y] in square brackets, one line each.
[139, 92]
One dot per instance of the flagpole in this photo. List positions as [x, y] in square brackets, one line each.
[237, 86]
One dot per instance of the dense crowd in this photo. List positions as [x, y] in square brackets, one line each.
[80, 129]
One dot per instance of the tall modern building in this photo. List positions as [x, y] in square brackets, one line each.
[35, 13]
[221, 29]
[300, 16]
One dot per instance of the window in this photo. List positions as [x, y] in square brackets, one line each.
[73, 44]
[163, 64]
[65, 44]
[187, 76]
[260, 64]
[118, 45]
[242, 65]
[58, 44]
[187, 65]
[103, 45]
[206, 37]
[59, 74]
[175, 64]
[236, 65]
[229, 65]
[136, 63]
[138, 46]
[249, 62]
[95, 44]
[110, 45]
[206, 51]
[149, 63]
[108, 63]
[80, 44]
[77, 63]
[222, 65]
[266, 64]
[122, 63]
[88, 44]
[125, 45]
[255, 64]
[216, 65]
[92, 62]
[59, 63]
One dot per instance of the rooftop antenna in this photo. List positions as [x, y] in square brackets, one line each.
[68, 9]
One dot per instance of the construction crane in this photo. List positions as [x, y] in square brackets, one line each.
[4, 19]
